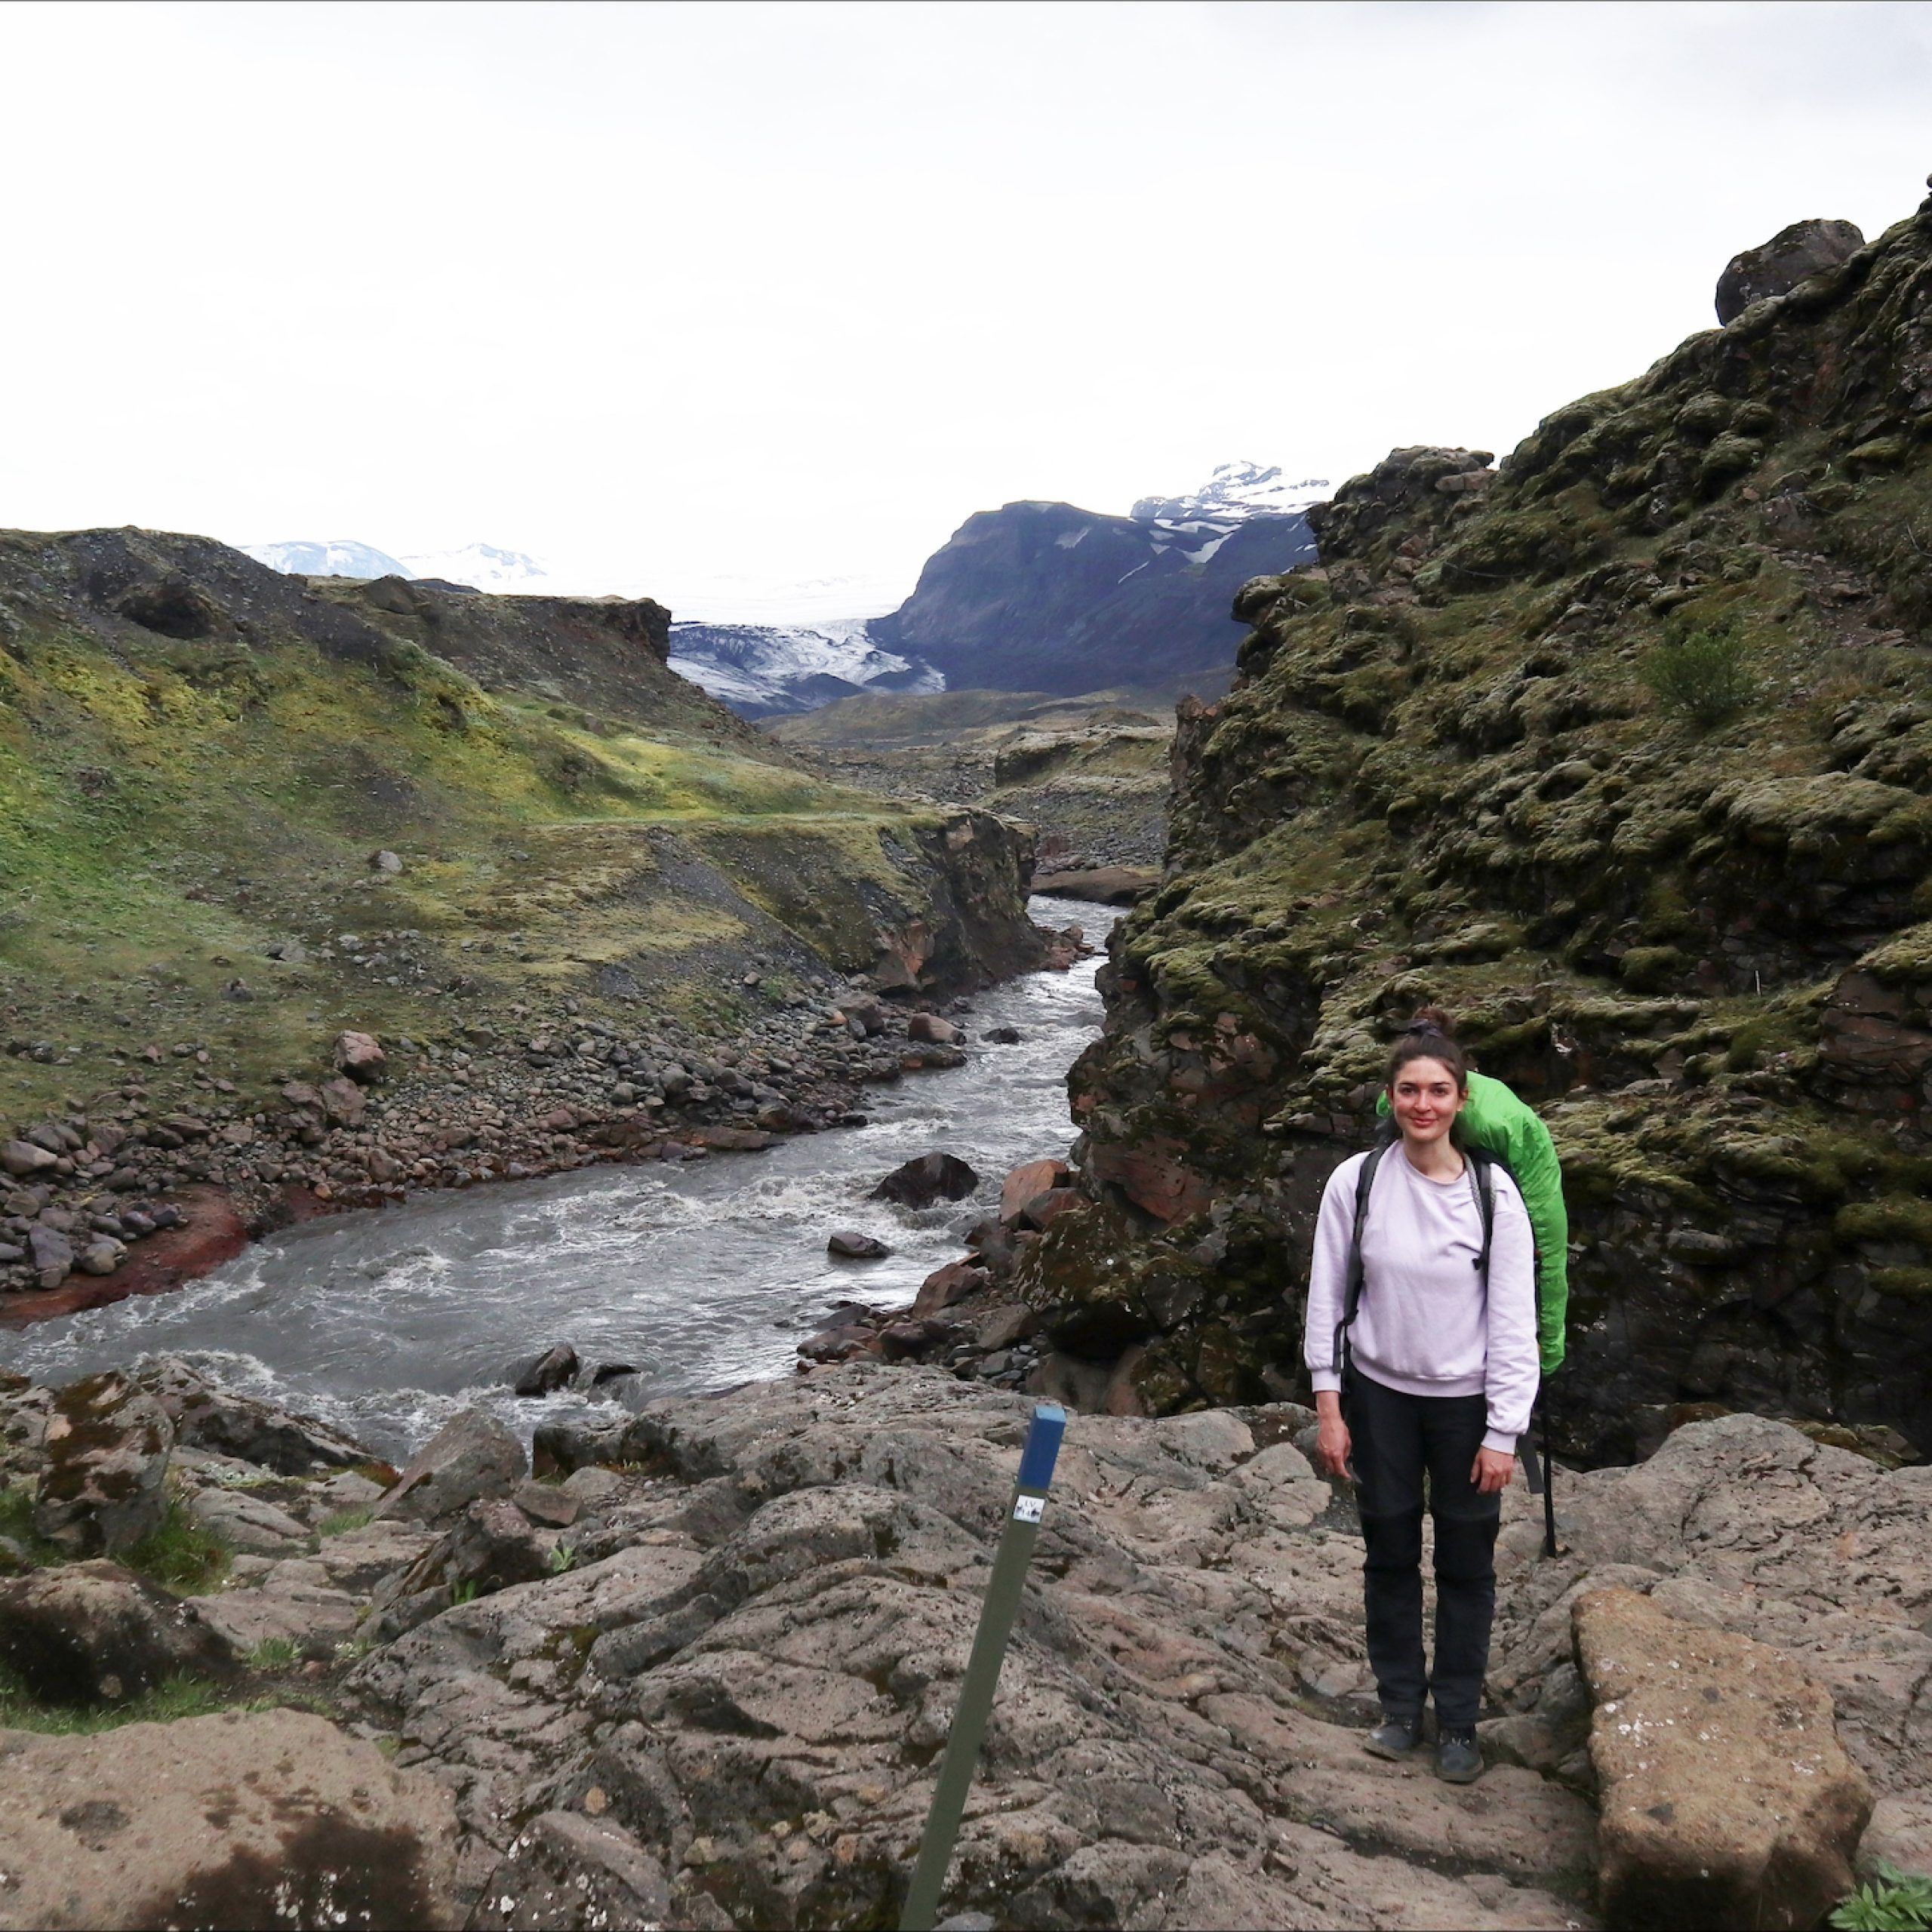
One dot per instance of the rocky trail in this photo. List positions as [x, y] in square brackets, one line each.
[695, 1667]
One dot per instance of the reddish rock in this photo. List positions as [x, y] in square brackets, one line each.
[1152, 1175]
[360, 1056]
[930, 1028]
[344, 1102]
[1030, 1178]
[210, 1232]
[945, 1286]
[1044, 1209]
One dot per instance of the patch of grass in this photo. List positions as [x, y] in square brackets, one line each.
[16, 1522]
[464, 1592]
[1704, 676]
[343, 1521]
[180, 1555]
[178, 1697]
[1892, 1901]
[275, 1653]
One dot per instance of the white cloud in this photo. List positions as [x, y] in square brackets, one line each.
[668, 294]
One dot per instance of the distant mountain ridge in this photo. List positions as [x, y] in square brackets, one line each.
[1037, 596]
[1033, 596]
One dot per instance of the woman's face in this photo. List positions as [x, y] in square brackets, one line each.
[1426, 1100]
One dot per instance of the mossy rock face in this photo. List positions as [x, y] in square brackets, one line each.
[1701, 947]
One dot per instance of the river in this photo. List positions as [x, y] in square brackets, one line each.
[701, 1275]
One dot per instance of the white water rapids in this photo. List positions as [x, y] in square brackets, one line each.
[386, 1321]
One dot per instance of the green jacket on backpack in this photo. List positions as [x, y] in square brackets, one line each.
[1496, 1121]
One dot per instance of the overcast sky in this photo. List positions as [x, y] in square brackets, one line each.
[713, 301]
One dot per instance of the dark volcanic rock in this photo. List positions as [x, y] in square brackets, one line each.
[1778, 266]
[1686, 922]
[94, 1633]
[471, 1456]
[207, 1416]
[854, 1246]
[545, 1374]
[930, 1177]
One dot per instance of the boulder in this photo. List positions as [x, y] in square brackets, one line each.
[564, 1869]
[248, 1523]
[543, 1374]
[207, 1416]
[385, 862]
[1778, 266]
[852, 1246]
[1044, 1210]
[343, 1101]
[22, 1158]
[931, 1029]
[472, 1455]
[1103, 885]
[359, 1056]
[104, 1485]
[94, 1633]
[1727, 1800]
[259, 1818]
[494, 1545]
[945, 1286]
[931, 1177]
[1029, 1178]
[50, 1254]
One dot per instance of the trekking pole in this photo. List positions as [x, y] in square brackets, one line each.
[982, 1678]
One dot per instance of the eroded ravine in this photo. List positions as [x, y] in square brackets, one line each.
[700, 1275]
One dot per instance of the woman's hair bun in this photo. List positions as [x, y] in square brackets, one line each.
[1432, 1020]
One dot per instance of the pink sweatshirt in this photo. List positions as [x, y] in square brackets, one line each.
[1425, 1327]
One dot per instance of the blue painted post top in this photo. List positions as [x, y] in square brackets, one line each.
[1042, 1450]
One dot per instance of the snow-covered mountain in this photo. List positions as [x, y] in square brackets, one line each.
[340, 556]
[480, 566]
[772, 670]
[484, 567]
[1237, 490]
[1035, 596]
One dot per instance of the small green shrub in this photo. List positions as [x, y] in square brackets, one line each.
[179, 1555]
[275, 1653]
[563, 1558]
[464, 1593]
[1894, 1901]
[1702, 674]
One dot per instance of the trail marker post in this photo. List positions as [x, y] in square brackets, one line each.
[982, 1679]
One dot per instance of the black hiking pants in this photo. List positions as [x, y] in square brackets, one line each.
[1395, 1439]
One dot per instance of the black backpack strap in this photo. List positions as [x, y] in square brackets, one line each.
[1478, 1165]
[1351, 1290]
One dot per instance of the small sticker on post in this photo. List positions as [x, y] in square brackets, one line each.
[1028, 1508]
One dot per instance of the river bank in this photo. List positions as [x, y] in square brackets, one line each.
[698, 1272]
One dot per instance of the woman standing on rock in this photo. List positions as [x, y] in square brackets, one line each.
[1422, 1345]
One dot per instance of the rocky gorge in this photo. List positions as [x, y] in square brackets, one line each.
[319, 890]
[1616, 749]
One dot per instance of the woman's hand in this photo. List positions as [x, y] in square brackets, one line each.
[1331, 1436]
[1491, 1472]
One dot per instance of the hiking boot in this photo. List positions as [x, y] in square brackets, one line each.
[1393, 1737]
[1458, 1756]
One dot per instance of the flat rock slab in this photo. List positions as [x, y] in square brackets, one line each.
[264, 1818]
[1726, 1799]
